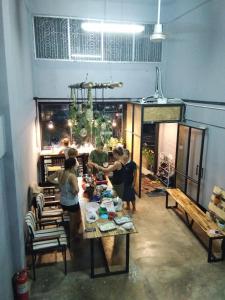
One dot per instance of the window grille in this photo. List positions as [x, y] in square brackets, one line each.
[63, 38]
[51, 38]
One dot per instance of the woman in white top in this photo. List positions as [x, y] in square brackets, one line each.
[68, 184]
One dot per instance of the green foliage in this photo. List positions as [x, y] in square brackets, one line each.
[149, 155]
[88, 125]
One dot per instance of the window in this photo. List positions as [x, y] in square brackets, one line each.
[63, 38]
[51, 38]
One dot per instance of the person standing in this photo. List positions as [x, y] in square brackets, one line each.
[98, 156]
[117, 169]
[130, 173]
[68, 184]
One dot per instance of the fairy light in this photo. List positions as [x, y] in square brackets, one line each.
[50, 125]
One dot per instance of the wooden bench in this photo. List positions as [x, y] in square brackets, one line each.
[194, 214]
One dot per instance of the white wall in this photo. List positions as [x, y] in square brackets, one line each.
[51, 78]
[195, 69]
[18, 165]
[168, 140]
[194, 54]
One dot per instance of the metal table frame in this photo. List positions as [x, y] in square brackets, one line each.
[107, 268]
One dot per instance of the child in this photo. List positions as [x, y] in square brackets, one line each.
[130, 169]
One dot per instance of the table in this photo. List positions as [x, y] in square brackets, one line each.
[104, 237]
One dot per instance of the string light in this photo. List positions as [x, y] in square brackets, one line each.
[114, 123]
[70, 124]
[50, 125]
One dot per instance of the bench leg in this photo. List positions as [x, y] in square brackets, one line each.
[167, 202]
[211, 256]
[210, 251]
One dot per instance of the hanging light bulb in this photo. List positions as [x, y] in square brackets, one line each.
[70, 123]
[114, 123]
[50, 125]
[158, 34]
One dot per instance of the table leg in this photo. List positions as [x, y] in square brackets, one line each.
[92, 258]
[127, 252]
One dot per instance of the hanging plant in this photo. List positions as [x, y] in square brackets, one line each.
[87, 124]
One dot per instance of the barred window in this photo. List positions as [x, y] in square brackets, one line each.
[63, 38]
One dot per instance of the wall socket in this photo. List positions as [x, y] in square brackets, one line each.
[2, 137]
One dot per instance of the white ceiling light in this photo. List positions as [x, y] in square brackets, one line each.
[158, 34]
[112, 27]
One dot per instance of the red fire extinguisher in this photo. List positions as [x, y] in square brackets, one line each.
[21, 285]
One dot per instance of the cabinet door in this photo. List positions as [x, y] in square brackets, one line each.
[190, 144]
[194, 162]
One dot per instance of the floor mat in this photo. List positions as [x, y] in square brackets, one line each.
[149, 185]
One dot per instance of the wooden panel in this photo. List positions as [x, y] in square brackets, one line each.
[137, 145]
[129, 127]
[129, 141]
[137, 120]
[136, 158]
[162, 113]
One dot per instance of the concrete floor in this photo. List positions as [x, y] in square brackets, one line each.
[166, 262]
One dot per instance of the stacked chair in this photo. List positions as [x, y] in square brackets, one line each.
[48, 211]
[45, 240]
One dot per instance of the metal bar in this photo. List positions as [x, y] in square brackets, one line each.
[127, 252]
[208, 124]
[167, 199]
[188, 177]
[200, 165]
[178, 131]
[92, 258]
[107, 270]
[132, 145]
[216, 103]
[167, 202]
[187, 162]
[65, 262]
[187, 219]
[210, 251]
[141, 144]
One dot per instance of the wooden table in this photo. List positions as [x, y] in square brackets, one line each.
[104, 237]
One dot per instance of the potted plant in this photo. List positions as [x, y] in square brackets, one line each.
[149, 157]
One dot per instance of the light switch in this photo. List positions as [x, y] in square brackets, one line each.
[2, 137]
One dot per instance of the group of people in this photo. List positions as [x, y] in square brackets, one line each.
[123, 172]
[123, 177]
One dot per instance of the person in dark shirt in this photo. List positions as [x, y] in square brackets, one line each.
[118, 171]
[130, 171]
[99, 157]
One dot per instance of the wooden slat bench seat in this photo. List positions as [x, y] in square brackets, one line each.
[194, 214]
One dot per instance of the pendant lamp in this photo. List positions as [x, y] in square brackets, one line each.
[158, 34]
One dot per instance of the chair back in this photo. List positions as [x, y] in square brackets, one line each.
[31, 223]
[40, 204]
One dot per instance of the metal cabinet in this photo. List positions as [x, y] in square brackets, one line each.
[189, 157]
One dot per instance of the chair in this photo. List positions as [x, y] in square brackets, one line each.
[42, 210]
[49, 196]
[52, 216]
[45, 240]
